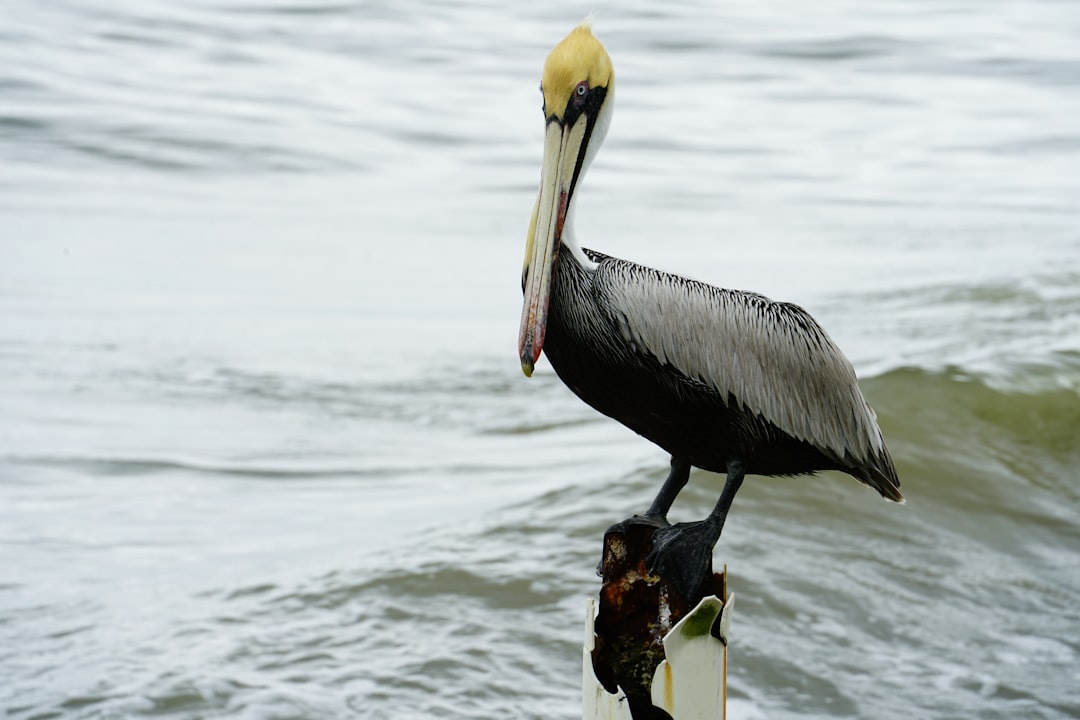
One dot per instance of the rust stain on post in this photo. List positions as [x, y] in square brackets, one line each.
[636, 611]
[669, 687]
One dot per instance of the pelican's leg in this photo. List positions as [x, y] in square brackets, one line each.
[656, 515]
[682, 552]
[735, 475]
[676, 481]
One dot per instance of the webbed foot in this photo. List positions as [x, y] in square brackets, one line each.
[682, 554]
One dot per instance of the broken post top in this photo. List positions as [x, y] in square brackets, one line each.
[637, 610]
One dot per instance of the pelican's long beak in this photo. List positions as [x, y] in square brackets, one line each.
[562, 154]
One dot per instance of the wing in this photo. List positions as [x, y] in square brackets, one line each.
[770, 358]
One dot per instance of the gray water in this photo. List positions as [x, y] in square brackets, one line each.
[265, 447]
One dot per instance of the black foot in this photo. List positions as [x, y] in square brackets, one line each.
[656, 521]
[622, 528]
[682, 554]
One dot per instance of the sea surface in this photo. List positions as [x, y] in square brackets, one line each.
[266, 450]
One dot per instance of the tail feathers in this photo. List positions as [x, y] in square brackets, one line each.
[879, 473]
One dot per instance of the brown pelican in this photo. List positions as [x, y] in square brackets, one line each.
[724, 380]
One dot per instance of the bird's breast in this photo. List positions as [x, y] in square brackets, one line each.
[600, 362]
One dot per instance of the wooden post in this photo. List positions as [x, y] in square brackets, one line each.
[653, 654]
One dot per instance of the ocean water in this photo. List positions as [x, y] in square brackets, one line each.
[265, 446]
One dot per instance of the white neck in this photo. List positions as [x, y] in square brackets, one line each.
[572, 245]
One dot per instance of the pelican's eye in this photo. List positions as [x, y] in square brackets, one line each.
[581, 94]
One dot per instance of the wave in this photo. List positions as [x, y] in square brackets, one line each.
[1037, 405]
[266, 468]
[1009, 443]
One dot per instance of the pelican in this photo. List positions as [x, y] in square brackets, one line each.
[724, 380]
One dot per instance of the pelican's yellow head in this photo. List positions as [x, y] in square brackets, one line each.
[575, 66]
[578, 85]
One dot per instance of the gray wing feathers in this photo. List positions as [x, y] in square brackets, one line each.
[772, 358]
